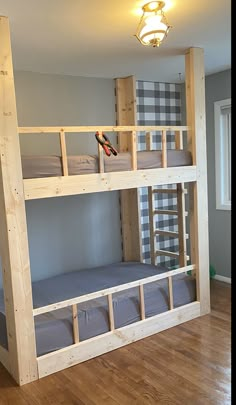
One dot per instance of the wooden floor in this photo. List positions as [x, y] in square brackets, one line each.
[189, 364]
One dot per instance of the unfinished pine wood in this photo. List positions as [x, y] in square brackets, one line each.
[75, 323]
[129, 199]
[157, 369]
[170, 288]
[134, 151]
[151, 207]
[164, 151]
[127, 86]
[13, 236]
[100, 155]
[142, 302]
[167, 253]
[181, 208]
[111, 312]
[199, 233]
[93, 183]
[111, 290]
[67, 357]
[63, 153]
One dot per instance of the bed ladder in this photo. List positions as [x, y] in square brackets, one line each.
[181, 213]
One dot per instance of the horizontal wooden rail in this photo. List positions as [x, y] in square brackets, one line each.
[108, 291]
[167, 191]
[170, 234]
[91, 183]
[74, 129]
[74, 354]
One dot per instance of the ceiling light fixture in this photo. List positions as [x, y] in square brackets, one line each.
[153, 26]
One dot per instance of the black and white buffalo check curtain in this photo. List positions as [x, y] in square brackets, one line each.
[158, 104]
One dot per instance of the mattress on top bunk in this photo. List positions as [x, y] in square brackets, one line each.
[54, 330]
[47, 166]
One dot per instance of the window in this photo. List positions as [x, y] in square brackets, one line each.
[222, 111]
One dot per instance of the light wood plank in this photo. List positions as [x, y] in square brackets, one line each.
[93, 183]
[151, 207]
[164, 151]
[167, 253]
[118, 128]
[112, 290]
[196, 119]
[111, 312]
[63, 153]
[75, 323]
[170, 234]
[170, 288]
[134, 151]
[100, 155]
[98, 345]
[142, 302]
[166, 212]
[13, 236]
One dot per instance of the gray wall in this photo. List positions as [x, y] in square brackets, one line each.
[218, 87]
[68, 233]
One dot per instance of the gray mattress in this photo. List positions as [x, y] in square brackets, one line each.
[54, 330]
[47, 166]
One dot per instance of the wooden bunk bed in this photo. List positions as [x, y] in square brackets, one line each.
[19, 355]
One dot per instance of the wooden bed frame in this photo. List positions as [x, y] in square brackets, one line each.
[21, 359]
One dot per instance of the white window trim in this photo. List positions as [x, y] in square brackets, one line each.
[222, 203]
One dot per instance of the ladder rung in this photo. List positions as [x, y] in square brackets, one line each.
[166, 253]
[165, 212]
[169, 254]
[166, 233]
[165, 190]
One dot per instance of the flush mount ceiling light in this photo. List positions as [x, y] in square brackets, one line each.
[153, 26]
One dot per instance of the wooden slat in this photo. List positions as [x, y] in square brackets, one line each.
[13, 235]
[56, 361]
[112, 290]
[75, 323]
[63, 153]
[164, 151]
[165, 212]
[170, 288]
[165, 190]
[118, 128]
[151, 207]
[100, 155]
[111, 312]
[134, 151]
[92, 183]
[142, 302]
[196, 119]
[167, 253]
[171, 234]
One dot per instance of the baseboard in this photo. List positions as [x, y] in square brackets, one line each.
[223, 279]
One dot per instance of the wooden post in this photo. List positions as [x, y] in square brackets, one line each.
[151, 208]
[195, 105]
[13, 235]
[130, 202]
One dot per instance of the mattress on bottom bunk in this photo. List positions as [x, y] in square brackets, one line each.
[47, 166]
[54, 330]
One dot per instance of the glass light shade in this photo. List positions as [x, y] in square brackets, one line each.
[154, 30]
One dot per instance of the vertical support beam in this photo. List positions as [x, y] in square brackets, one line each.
[181, 209]
[111, 312]
[130, 202]
[13, 236]
[151, 208]
[75, 322]
[195, 104]
[100, 155]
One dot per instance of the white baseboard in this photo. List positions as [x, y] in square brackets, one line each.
[222, 278]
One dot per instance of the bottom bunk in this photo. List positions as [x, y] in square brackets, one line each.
[54, 330]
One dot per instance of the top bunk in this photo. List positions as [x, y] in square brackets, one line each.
[47, 176]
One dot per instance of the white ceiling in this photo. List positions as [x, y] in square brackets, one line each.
[96, 37]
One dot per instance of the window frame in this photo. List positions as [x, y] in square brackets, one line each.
[222, 155]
